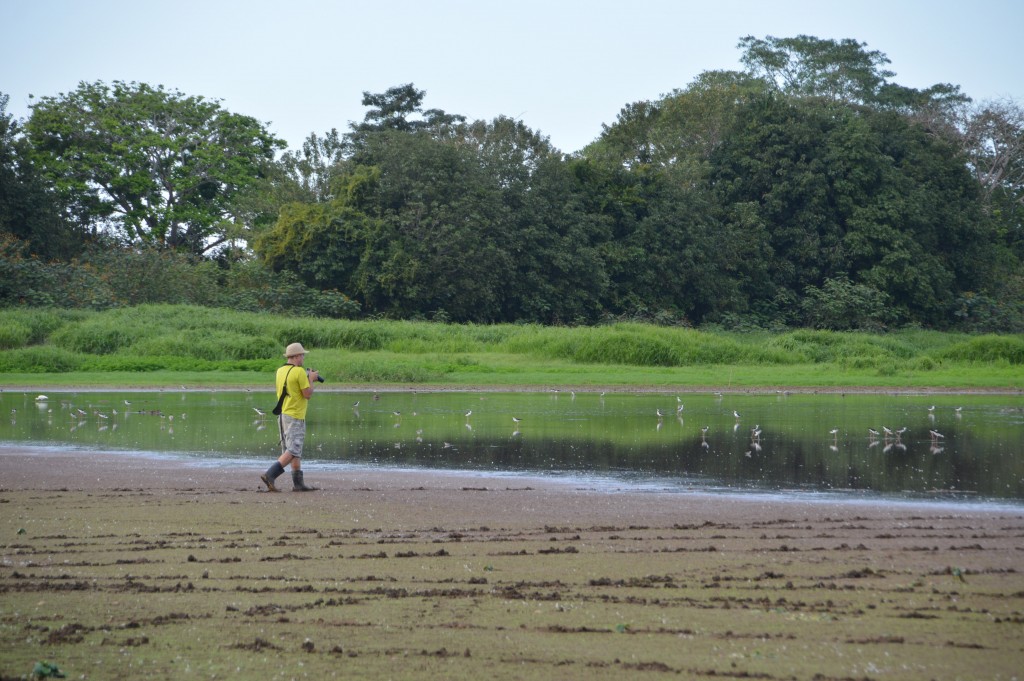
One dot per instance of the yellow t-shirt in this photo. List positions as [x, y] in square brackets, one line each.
[294, 403]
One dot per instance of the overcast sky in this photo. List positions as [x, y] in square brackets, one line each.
[564, 67]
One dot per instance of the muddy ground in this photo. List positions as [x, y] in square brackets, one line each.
[117, 566]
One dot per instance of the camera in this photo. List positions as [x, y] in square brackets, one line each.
[319, 378]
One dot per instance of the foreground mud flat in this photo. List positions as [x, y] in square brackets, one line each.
[115, 566]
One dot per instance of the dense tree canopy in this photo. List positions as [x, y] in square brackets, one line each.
[807, 189]
[156, 165]
[28, 211]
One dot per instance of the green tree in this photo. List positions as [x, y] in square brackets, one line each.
[867, 195]
[314, 167]
[441, 246]
[323, 243]
[841, 305]
[994, 143]
[157, 166]
[556, 273]
[805, 65]
[392, 109]
[29, 209]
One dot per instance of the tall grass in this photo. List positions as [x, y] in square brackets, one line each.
[179, 338]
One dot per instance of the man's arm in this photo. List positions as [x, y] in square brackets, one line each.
[307, 392]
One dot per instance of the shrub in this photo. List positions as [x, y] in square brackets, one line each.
[40, 359]
[621, 348]
[841, 305]
[988, 349]
[94, 337]
[14, 335]
[207, 345]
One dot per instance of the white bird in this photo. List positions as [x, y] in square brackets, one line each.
[936, 434]
[931, 409]
[887, 431]
[42, 398]
[834, 431]
[516, 420]
[872, 432]
[704, 430]
[659, 413]
[735, 413]
[469, 413]
[259, 411]
[356, 405]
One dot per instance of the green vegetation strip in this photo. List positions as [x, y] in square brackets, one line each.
[171, 345]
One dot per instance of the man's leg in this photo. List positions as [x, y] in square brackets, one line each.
[276, 469]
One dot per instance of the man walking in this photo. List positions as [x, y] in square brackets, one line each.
[294, 388]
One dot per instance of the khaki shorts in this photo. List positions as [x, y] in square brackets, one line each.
[293, 434]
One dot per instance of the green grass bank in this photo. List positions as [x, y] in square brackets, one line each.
[172, 345]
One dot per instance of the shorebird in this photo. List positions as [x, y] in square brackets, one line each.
[735, 413]
[258, 411]
[516, 419]
[659, 413]
[355, 405]
[887, 431]
[834, 432]
[469, 413]
[931, 409]
[704, 430]
[42, 398]
[872, 432]
[936, 435]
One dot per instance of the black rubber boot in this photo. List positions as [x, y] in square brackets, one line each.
[268, 478]
[298, 484]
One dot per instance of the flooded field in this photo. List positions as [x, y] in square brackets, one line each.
[950, 447]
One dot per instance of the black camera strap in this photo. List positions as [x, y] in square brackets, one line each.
[284, 393]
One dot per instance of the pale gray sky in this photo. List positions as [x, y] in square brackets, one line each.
[562, 66]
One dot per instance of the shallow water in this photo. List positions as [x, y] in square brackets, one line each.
[966, 449]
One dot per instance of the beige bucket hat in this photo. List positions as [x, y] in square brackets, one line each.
[294, 349]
